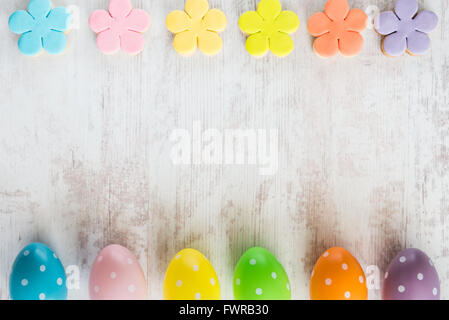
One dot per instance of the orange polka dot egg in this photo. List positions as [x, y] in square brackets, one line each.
[190, 276]
[337, 275]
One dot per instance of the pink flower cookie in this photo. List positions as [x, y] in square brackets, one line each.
[121, 27]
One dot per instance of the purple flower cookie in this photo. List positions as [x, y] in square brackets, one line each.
[405, 30]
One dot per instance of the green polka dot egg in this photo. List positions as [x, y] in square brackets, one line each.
[260, 276]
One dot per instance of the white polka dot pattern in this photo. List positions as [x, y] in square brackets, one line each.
[116, 269]
[337, 275]
[190, 276]
[260, 276]
[36, 274]
[411, 276]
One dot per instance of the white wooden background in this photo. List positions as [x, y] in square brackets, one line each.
[85, 151]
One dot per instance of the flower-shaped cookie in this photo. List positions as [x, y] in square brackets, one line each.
[121, 27]
[405, 30]
[41, 27]
[337, 29]
[197, 26]
[269, 28]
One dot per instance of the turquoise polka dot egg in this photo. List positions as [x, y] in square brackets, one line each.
[37, 274]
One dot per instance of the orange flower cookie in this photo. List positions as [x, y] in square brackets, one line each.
[197, 26]
[337, 29]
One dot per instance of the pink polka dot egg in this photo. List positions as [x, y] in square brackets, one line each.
[117, 275]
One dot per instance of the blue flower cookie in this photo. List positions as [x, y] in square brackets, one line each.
[41, 27]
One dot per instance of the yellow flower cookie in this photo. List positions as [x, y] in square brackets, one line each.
[269, 28]
[197, 26]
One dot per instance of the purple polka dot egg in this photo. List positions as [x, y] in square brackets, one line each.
[411, 276]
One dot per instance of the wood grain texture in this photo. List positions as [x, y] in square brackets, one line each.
[85, 151]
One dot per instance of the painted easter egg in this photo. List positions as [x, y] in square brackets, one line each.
[260, 276]
[190, 276]
[117, 275]
[411, 276]
[337, 275]
[37, 274]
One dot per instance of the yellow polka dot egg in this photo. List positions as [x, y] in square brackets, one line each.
[190, 276]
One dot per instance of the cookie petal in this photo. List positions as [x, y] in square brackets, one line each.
[138, 20]
[30, 43]
[336, 10]
[132, 42]
[39, 8]
[209, 42]
[177, 21]
[281, 44]
[54, 42]
[215, 20]
[406, 9]
[197, 9]
[318, 24]
[426, 21]
[287, 21]
[356, 20]
[59, 19]
[351, 43]
[326, 45]
[185, 43]
[269, 9]
[250, 22]
[99, 21]
[418, 43]
[120, 8]
[21, 22]
[394, 45]
[257, 44]
[108, 42]
[386, 23]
